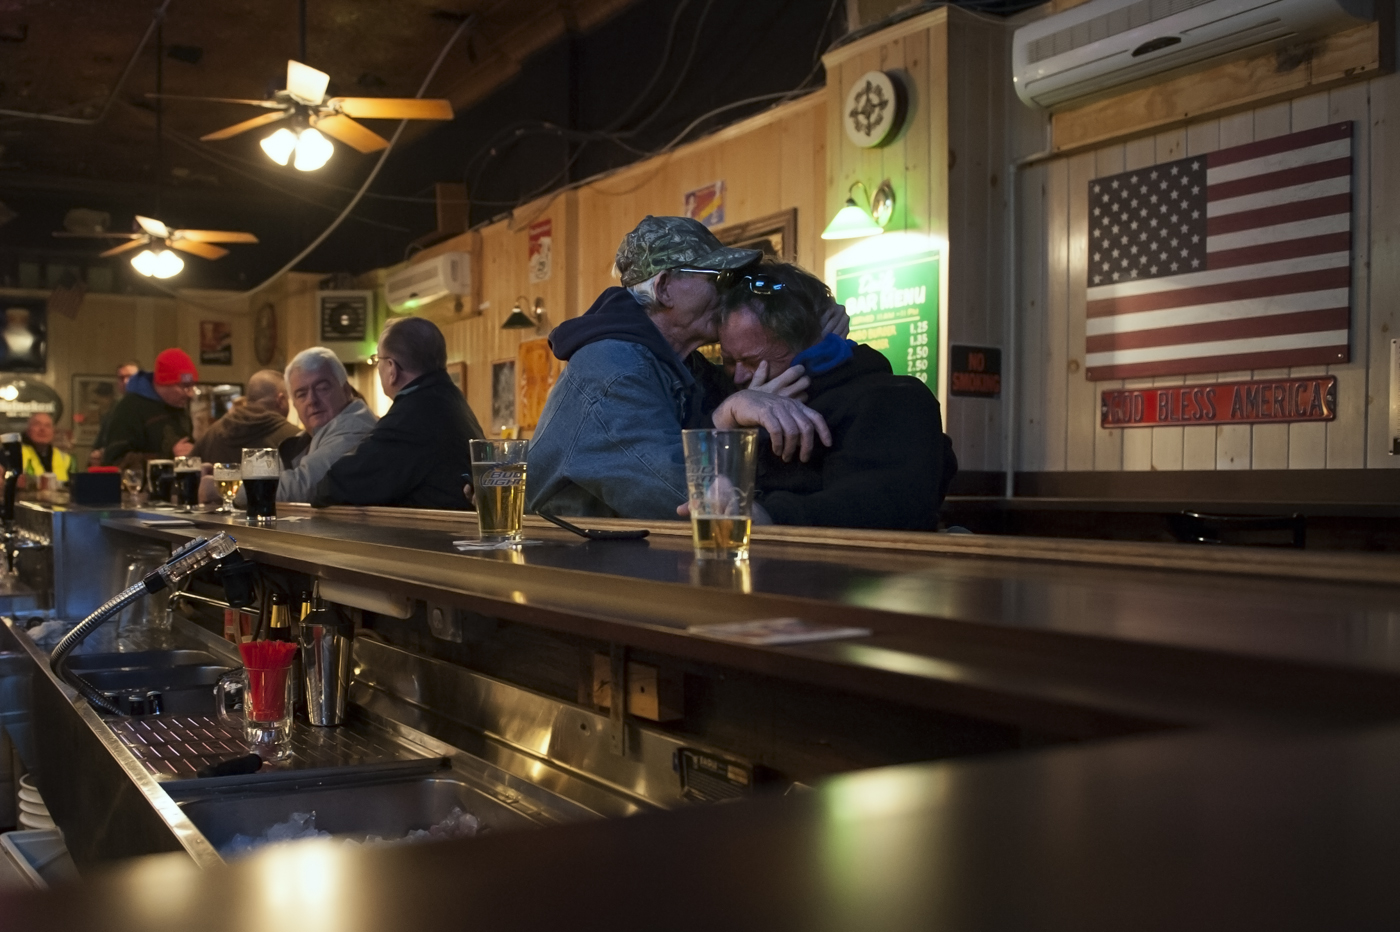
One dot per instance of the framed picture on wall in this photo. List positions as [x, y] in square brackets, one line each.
[774, 235]
[24, 344]
[537, 369]
[503, 394]
[94, 396]
[457, 372]
[215, 343]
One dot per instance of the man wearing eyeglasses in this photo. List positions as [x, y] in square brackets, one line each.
[416, 455]
[889, 462]
[609, 440]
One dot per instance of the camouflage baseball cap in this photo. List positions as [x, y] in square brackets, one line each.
[661, 243]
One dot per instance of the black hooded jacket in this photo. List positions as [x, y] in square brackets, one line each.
[417, 456]
[889, 463]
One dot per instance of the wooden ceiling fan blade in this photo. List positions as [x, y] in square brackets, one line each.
[124, 247]
[205, 250]
[67, 235]
[153, 227]
[246, 125]
[393, 108]
[349, 132]
[214, 236]
[221, 100]
[306, 83]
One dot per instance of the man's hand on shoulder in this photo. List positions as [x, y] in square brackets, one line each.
[836, 320]
[793, 426]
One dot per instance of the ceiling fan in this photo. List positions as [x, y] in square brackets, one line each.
[312, 113]
[160, 262]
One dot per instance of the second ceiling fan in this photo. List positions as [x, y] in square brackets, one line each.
[313, 113]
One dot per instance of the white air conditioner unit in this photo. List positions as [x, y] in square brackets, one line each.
[450, 273]
[1105, 47]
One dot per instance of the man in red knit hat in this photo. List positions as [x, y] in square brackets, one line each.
[152, 421]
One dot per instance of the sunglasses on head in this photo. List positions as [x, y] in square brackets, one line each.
[755, 282]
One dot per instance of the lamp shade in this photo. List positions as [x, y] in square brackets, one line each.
[518, 320]
[850, 222]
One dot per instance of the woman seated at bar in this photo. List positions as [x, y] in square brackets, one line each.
[889, 463]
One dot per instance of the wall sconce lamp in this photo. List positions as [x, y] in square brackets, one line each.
[853, 220]
[521, 319]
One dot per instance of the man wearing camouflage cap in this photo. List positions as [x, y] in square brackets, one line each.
[609, 440]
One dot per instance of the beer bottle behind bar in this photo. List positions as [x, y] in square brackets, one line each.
[279, 619]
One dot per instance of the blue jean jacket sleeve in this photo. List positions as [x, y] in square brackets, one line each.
[612, 429]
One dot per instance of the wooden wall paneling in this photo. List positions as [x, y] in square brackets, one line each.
[1198, 443]
[1271, 440]
[1167, 441]
[1385, 266]
[1307, 441]
[1056, 348]
[1082, 418]
[1029, 372]
[1346, 436]
[1234, 443]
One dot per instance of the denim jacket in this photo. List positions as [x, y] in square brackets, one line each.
[609, 440]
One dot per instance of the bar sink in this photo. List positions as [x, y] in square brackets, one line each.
[184, 678]
[386, 807]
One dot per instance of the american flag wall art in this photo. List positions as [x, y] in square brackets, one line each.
[1238, 259]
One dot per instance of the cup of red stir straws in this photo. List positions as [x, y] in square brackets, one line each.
[259, 697]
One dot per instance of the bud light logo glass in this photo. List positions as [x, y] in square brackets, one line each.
[498, 478]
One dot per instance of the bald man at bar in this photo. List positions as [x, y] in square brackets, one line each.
[258, 419]
[418, 453]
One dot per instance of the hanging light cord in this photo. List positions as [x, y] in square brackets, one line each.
[116, 89]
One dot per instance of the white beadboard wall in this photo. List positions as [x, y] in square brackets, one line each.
[1058, 409]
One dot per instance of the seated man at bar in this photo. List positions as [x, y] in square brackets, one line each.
[417, 454]
[889, 463]
[152, 421]
[609, 440]
[258, 419]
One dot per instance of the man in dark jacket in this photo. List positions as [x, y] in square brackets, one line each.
[152, 421]
[889, 463]
[258, 419]
[418, 453]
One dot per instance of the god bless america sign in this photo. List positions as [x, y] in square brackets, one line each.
[1263, 401]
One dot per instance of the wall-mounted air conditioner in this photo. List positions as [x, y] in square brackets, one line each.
[1105, 47]
[347, 323]
[438, 277]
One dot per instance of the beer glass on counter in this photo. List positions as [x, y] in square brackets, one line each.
[160, 479]
[719, 474]
[188, 471]
[228, 477]
[498, 479]
[260, 470]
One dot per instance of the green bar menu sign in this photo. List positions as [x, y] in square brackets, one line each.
[893, 305]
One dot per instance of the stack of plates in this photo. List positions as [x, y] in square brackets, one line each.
[33, 814]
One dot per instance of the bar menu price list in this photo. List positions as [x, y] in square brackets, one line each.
[893, 305]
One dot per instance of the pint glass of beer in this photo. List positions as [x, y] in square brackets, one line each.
[498, 478]
[260, 470]
[188, 471]
[719, 471]
[160, 479]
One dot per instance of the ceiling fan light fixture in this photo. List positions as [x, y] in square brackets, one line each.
[164, 263]
[313, 150]
[280, 145]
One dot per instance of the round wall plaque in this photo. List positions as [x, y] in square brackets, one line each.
[265, 334]
[875, 107]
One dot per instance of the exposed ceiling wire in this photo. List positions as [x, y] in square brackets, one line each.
[116, 88]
